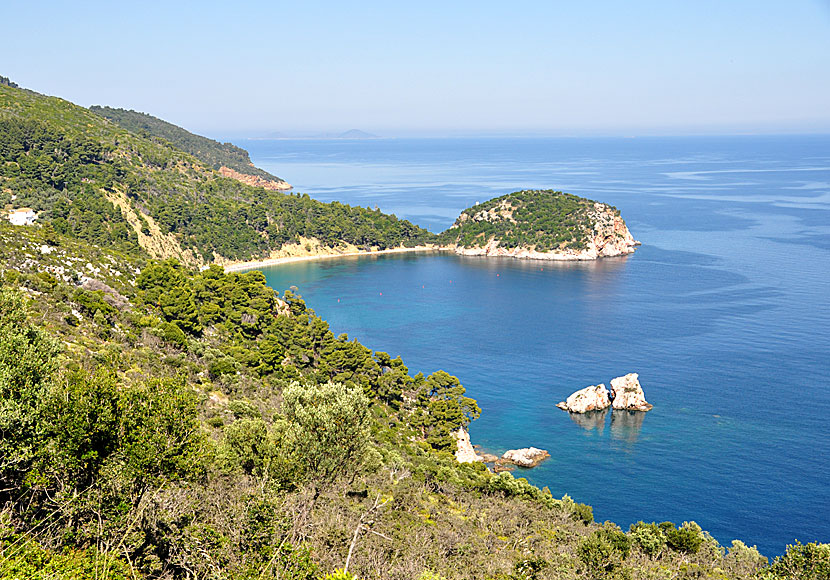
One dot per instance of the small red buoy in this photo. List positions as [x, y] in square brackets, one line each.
[498, 274]
[381, 293]
[338, 299]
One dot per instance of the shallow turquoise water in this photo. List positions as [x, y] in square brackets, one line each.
[723, 312]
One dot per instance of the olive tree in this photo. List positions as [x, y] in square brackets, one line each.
[28, 359]
[326, 429]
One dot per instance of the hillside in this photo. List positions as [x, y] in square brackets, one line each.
[157, 422]
[93, 180]
[541, 224]
[226, 158]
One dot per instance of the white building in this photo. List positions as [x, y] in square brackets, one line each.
[22, 217]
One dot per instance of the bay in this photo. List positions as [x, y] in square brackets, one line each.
[724, 311]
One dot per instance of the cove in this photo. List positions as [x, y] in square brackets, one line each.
[722, 312]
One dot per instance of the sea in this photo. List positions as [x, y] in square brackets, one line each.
[724, 312]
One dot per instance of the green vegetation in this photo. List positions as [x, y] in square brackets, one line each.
[94, 181]
[543, 220]
[198, 424]
[160, 422]
[212, 153]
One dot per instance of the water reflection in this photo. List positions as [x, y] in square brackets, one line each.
[592, 420]
[626, 425]
[500, 263]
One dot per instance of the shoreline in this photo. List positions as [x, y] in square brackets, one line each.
[516, 254]
[267, 262]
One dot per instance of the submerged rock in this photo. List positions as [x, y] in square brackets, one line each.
[593, 398]
[464, 451]
[527, 457]
[628, 394]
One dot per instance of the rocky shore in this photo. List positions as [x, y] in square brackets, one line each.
[466, 453]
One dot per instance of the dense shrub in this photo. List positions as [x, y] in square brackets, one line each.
[649, 538]
[801, 562]
[687, 538]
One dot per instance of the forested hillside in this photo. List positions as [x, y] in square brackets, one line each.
[157, 422]
[213, 153]
[95, 181]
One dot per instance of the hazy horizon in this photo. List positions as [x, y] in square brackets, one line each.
[540, 69]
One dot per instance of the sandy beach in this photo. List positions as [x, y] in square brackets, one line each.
[242, 266]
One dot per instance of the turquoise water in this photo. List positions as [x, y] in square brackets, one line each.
[723, 312]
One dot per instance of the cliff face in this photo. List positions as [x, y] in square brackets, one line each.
[254, 180]
[608, 236]
[464, 452]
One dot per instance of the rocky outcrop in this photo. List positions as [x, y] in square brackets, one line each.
[254, 180]
[627, 393]
[527, 457]
[111, 296]
[593, 398]
[609, 236]
[464, 451]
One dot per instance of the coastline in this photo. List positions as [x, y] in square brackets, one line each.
[276, 261]
[516, 253]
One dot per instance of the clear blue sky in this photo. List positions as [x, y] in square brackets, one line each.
[544, 67]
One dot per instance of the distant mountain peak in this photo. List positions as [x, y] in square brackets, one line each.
[356, 134]
[350, 134]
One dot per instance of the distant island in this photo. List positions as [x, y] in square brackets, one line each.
[541, 225]
[350, 134]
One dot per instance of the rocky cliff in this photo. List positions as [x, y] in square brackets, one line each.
[464, 451]
[255, 180]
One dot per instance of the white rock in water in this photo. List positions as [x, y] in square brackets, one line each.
[464, 451]
[593, 398]
[628, 394]
[527, 457]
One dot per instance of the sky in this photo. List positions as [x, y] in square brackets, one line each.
[638, 67]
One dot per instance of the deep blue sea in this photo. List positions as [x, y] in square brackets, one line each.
[724, 311]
